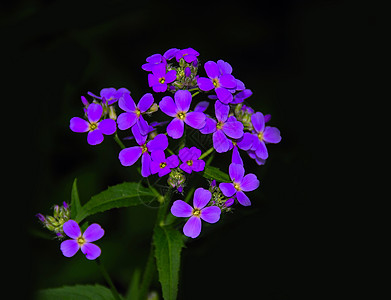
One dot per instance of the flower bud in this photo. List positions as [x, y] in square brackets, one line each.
[187, 72]
[84, 101]
[54, 223]
[112, 114]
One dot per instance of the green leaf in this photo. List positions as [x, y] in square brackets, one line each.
[76, 292]
[215, 173]
[168, 245]
[121, 195]
[75, 201]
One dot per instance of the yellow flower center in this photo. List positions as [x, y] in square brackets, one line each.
[216, 82]
[162, 80]
[260, 136]
[81, 240]
[162, 165]
[190, 162]
[196, 212]
[138, 112]
[93, 126]
[219, 125]
[237, 186]
[181, 115]
[144, 148]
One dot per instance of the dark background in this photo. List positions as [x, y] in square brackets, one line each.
[291, 54]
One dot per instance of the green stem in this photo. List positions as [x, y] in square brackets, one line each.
[148, 275]
[195, 93]
[194, 89]
[209, 151]
[150, 266]
[116, 138]
[108, 279]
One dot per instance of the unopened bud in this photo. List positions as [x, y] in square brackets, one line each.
[112, 114]
[84, 101]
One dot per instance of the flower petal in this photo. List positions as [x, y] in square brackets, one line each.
[220, 141]
[227, 188]
[261, 151]
[212, 69]
[142, 125]
[126, 103]
[233, 129]
[195, 119]
[69, 248]
[201, 106]
[210, 214]
[205, 84]
[198, 165]
[181, 209]
[182, 100]
[107, 126]
[243, 199]
[72, 229]
[201, 198]
[236, 159]
[185, 154]
[159, 70]
[172, 161]
[236, 172]
[192, 227]
[91, 251]
[224, 95]
[145, 164]
[271, 135]
[209, 127]
[140, 139]
[93, 233]
[160, 142]
[170, 76]
[221, 111]
[249, 183]
[168, 106]
[258, 121]
[246, 141]
[160, 87]
[129, 156]
[158, 156]
[227, 81]
[164, 171]
[126, 120]
[185, 167]
[175, 128]
[94, 112]
[95, 137]
[145, 102]
[79, 125]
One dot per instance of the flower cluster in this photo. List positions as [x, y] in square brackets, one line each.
[55, 223]
[162, 146]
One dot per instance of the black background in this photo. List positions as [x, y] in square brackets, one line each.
[291, 54]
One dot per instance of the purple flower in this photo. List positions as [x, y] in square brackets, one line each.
[240, 184]
[81, 241]
[221, 83]
[159, 78]
[210, 214]
[94, 126]
[133, 112]
[190, 161]
[152, 61]
[129, 156]
[262, 135]
[162, 165]
[223, 128]
[244, 143]
[189, 55]
[179, 110]
[110, 95]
